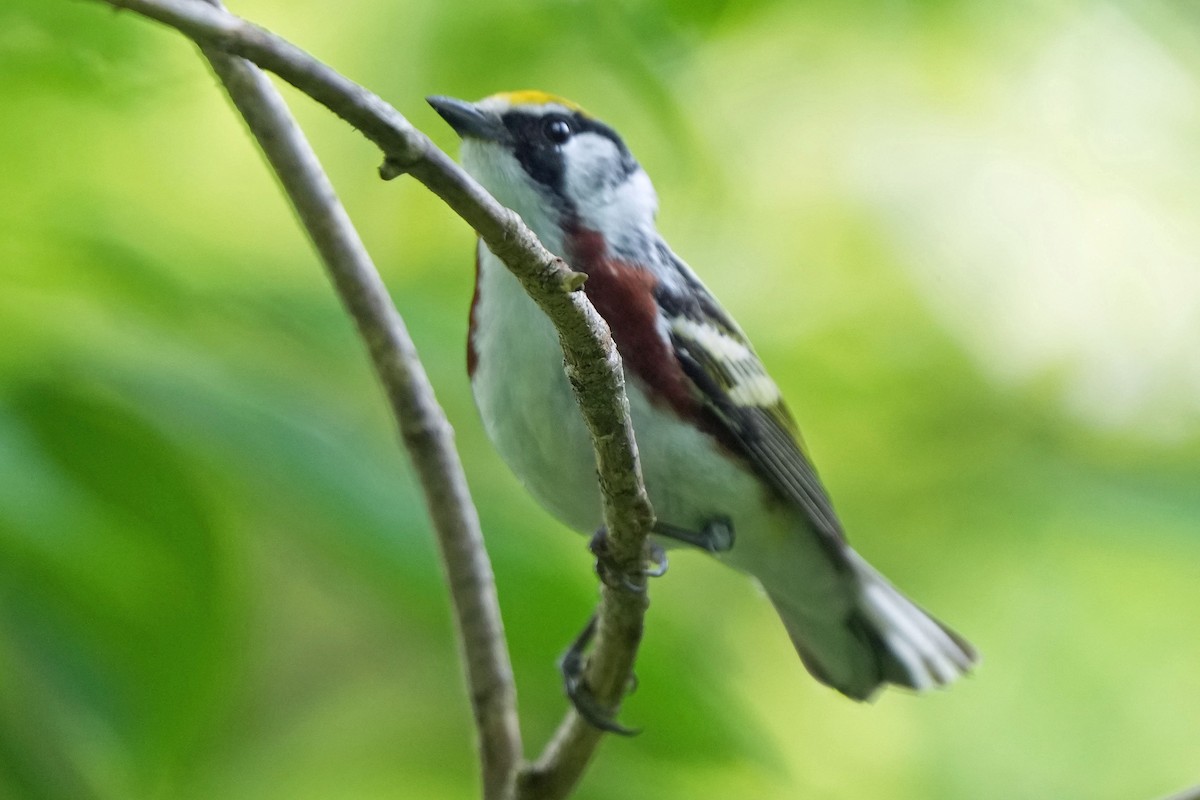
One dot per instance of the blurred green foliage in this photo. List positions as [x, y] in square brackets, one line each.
[963, 235]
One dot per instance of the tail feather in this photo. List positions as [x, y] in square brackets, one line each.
[886, 639]
[927, 652]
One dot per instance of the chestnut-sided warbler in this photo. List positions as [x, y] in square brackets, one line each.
[721, 456]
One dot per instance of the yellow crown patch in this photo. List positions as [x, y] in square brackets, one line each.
[535, 97]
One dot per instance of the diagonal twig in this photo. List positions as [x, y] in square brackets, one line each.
[591, 359]
[427, 435]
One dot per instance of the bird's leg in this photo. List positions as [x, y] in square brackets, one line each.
[572, 665]
[716, 536]
[614, 576]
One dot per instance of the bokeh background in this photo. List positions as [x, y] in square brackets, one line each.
[963, 235]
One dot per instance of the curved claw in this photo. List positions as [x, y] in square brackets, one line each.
[658, 561]
[571, 666]
[586, 705]
[615, 578]
[609, 574]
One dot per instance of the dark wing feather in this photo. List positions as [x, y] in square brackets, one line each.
[741, 397]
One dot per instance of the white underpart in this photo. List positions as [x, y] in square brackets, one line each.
[530, 414]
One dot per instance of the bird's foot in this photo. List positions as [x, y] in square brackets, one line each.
[572, 666]
[716, 536]
[615, 576]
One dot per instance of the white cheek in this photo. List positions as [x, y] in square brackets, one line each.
[606, 199]
[592, 161]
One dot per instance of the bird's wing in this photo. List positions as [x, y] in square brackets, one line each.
[735, 388]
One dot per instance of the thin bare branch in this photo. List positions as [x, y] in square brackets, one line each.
[428, 437]
[592, 362]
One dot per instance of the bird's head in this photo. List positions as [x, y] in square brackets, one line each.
[552, 163]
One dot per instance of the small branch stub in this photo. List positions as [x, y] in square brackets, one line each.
[392, 168]
[573, 281]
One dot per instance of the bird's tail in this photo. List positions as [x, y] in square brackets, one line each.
[885, 639]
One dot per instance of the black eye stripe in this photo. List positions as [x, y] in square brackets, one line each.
[540, 150]
[525, 125]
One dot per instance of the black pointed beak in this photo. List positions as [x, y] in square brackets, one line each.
[467, 120]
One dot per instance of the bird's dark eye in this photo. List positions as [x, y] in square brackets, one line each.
[557, 130]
